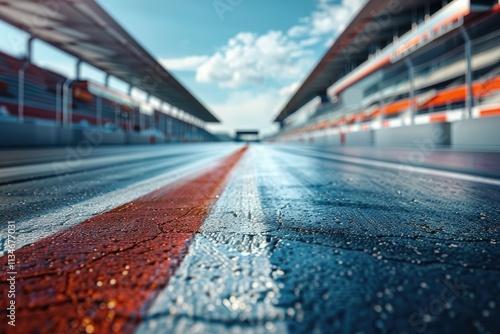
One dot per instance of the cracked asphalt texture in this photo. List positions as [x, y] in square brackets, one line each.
[303, 243]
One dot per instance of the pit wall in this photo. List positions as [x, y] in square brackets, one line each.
[42, 135]
[464, 134]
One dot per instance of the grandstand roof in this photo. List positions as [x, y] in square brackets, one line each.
[83, 29]
[377, 21]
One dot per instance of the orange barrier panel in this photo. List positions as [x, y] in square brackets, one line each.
[489, 87]
[376, 113]
[397, 107]
[450, 95]
[490, 112]
[352, 119]
[438, 118]
[82, 95]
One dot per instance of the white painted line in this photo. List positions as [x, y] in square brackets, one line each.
[227, 273]
[406, 168]
[34, 229]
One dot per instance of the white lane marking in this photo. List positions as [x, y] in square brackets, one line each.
[33, 229]
[60, 167]
[405, 168]
[75, 163]
[226, 282]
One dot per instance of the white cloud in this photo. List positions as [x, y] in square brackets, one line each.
[328, 19]
[184, 64]
[310, 41]
[246, 110]
[281, 59]
[298, 31]
[288, 91]
[250, 58]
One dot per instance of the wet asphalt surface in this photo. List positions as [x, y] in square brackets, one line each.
[372, 250]
[304, 243]
[73, 178]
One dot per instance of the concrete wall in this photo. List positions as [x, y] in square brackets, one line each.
[438, 133]
[484, 132]
[22, 135]
[138, 139]
[329, 140]
[42, 135]
[95, 137]
[362, 138]
[114, 138]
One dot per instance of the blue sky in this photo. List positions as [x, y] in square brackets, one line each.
[242, 58]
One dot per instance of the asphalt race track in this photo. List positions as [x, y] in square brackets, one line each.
[223, 238]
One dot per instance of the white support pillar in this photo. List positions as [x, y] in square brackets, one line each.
[21, 74]
[117, 112]
[20, 95]
[153, 117]
[469, 100]
[59, 102]
[411, 74]
[106, 80]
[99, 111]
[78, 70]
[131, 112]
[67, 103]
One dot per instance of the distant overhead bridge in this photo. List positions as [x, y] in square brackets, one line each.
[247, 136]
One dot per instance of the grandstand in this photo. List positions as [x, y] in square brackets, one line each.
[39, 107]
[402, 71]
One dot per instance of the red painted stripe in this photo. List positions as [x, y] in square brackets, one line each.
[439, 118]
[397, 107]
[490, 112]
[102, 275]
